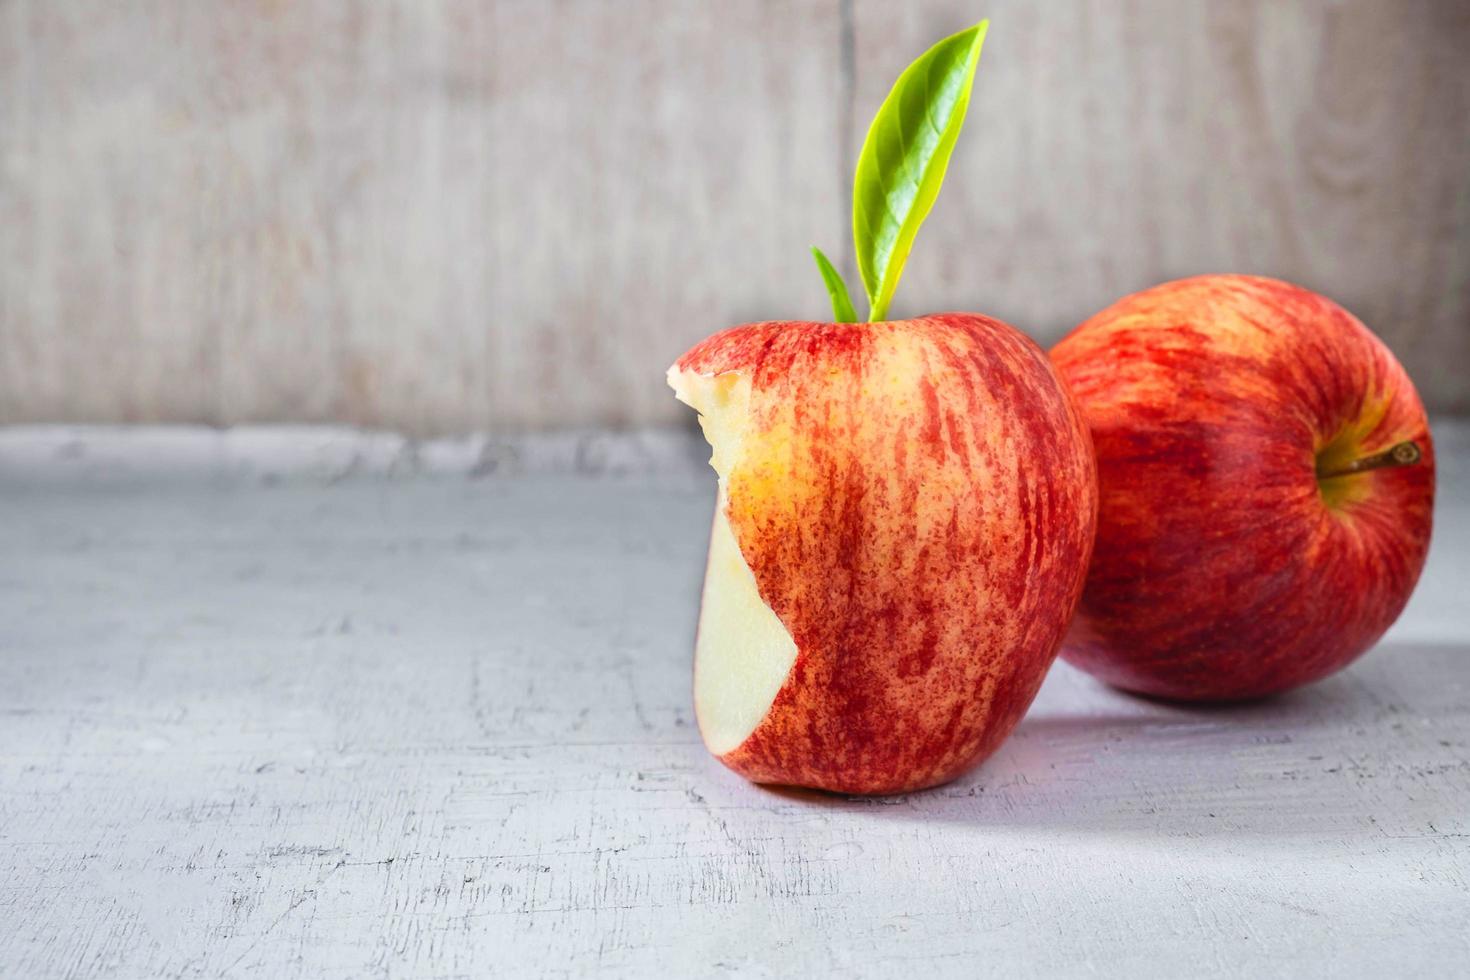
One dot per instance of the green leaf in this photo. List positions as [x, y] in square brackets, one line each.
[836, 288]
[904, 159]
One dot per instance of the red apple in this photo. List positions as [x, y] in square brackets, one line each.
[1267, 481]
[904, 517]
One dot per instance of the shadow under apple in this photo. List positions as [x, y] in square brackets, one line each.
[1375, 750]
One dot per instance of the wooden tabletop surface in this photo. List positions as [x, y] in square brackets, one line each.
[322, 704]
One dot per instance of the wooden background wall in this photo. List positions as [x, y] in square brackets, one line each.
[508, 214]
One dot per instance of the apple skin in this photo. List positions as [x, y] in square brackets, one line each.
[1223, 569]
[917, 506]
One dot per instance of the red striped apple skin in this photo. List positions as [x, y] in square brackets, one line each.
[917, 504]
[1223, 568]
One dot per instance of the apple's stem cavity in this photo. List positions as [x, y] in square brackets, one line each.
[1403, 454]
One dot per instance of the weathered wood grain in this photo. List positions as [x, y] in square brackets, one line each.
[473, 215]
[1112, 146]
[325, 705]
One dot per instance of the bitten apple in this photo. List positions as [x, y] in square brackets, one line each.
[904, 517]
[1267, 484]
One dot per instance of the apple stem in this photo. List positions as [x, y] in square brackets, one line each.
[1402, 454]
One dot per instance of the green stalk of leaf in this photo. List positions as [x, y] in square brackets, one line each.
[836, 288]
[902, 166]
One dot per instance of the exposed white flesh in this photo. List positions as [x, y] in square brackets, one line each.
[743, 653]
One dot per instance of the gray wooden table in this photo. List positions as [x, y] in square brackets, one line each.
[317, 704]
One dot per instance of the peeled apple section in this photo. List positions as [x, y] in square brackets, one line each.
[744, 653]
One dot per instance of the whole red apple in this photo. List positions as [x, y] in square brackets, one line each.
[904, 517]
[1266, 480]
